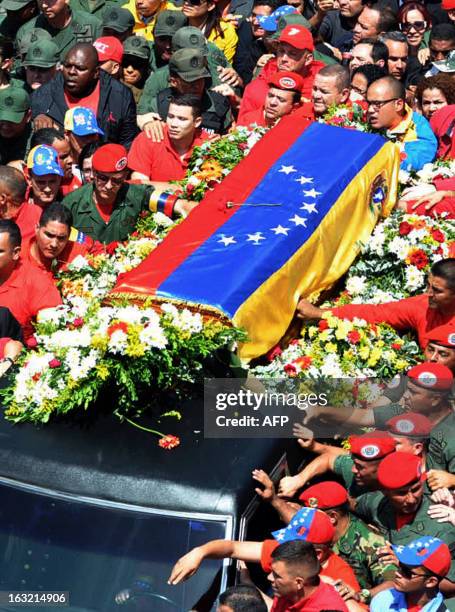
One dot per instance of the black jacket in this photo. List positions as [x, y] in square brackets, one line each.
[116, 109]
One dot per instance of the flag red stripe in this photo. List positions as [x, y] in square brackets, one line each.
[212, 212]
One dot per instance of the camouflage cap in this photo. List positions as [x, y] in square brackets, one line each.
[290, 19]
[137, 46]
[14, 103]
[189, 38]
[118, 19]
[32, 36]
[189, 64]
[168, 22]
[42, 53]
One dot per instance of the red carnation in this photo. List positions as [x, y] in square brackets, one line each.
[294, 342]
[169, 442]
[323, 325]
[290, 369]
[405, 228]
[274, 352]
[116, 326]
[419, 259]
[32, 342]
[438, 235]
[303, 362]
[354, 337]
[78, 322]
[396, 346]
[55, 363]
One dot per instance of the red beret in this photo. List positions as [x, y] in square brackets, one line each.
[297, 36]
[287, 80]
[110, 158]
[410, 424]
[434, 376]
[329, 494]
[372, 446]
[399, 469]
[445, 334]
[448, 5]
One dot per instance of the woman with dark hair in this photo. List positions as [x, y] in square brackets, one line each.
[415, 23]
[206, 15]
[433, 93]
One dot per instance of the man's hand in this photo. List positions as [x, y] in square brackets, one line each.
[42, 121]
[442, 513]
[305, 436]
[268, 492]
[323, 6]
[262, 61]
[423, 56]
[186, 566]
[345, 591]
[155, 130]
[306, 310]
[386, 555]
[184, 207]
[431, 200]
[229, 76]
[439, 479]
[443, 496]
[228, 92]
[289, 485]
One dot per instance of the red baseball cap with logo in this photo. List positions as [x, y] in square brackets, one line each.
[443, 335]
[372, 446]
[287, 80]
[109, 48]
[110, 158]
[297, 36]
[432, 376]
[448, 5]
[399, 469]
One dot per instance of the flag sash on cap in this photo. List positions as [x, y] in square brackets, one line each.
[287, 221]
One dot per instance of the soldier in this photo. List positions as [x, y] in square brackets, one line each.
[166, 25]
[117, 22]
[354, 541]
[40, 63]
[18, 12]
[358, 468]
[135, 65]
[66, 26]
[400, 509]
[15, 125]
[411, 432]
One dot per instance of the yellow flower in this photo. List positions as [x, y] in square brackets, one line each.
[375, 356]
[331, 347]
[364, 351]
[401, 364]
[324, 335]
[342, 330]
[100, 342]
[312, 331]
[102, 371]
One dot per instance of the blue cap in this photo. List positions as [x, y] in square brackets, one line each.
[268, 23]
[307, 524]
[82, 121]
[42, 160]
[284, 10]
[425, 551]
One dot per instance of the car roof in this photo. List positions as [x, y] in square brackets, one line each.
[97, 456]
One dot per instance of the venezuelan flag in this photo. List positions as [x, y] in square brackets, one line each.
[287, 222]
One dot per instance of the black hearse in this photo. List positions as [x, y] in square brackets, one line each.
[94, 508]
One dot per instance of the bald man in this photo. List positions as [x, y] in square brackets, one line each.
[82, 83]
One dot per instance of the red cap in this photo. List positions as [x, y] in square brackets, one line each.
[410, 424]
[307, 524]
[297, 36]
[433, 376]
[448, 5]
[372, 446]
[287, 80]
[399, 469]
[426, 551]
[110, 158]
[109, 48]
[324, 495]
[445, 334]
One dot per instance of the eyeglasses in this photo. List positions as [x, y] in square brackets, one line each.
[105, 178]
[409, 574]
[419, 26]
[378, 104]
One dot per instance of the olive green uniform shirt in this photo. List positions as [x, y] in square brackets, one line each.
[131, 201]
[358, 547]
[343, 468]
[375, 508]
[83, 28]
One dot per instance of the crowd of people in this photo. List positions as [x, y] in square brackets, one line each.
[101, 106]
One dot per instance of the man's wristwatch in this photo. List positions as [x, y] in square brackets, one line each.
[365, 596]
[7, 359]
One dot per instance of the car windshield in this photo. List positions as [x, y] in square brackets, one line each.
[99, 553]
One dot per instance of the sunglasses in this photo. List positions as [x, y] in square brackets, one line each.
[195, 2]
[419, 26]
[409, 574]
[105, 178]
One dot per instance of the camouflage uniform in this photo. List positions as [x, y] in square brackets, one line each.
[358, 547]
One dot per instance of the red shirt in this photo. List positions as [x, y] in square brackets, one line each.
[67, 186]
[90, 101]
[254, 116]
[159, 160]
[70, 252]
[27, 218]
[26, 292]
[324, 597]
[334, 567]
[411, 313]
[256, 91]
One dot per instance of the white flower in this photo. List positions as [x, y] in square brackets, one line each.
[376, 242]
[170, 310]
[52, 315]
[400, 247]
[153, 336]
[331, 367]
[356, 284]
[193, 180]
[118, 342]
[79, 263]
[415, 278]
[426, 174]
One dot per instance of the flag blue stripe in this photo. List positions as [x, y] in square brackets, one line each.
[224, 273]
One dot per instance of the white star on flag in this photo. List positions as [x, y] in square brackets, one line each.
[312, 193]
[310, 208]
[298, 220]
[227, 240]
[255, 237]
[279, 229]
[304, 179]
[280, 536]
[295, 523]
[287, 169]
